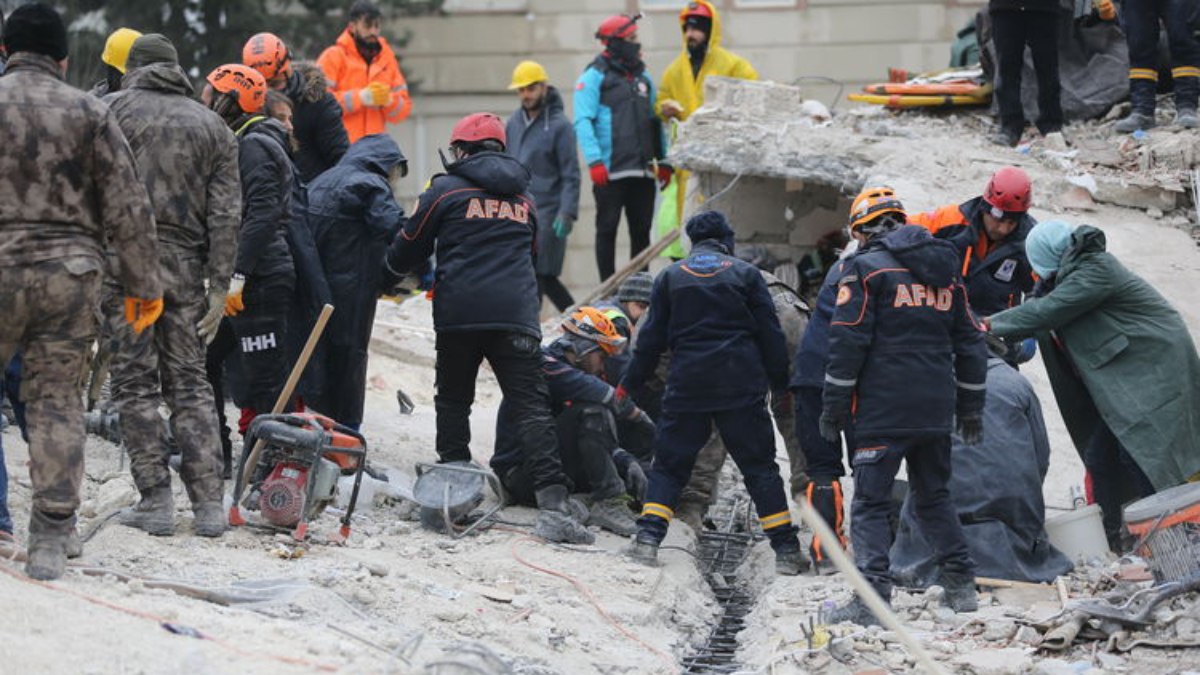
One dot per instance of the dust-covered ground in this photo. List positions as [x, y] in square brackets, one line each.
[397, 598]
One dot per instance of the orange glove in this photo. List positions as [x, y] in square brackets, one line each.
[233, 298]
[141, 314]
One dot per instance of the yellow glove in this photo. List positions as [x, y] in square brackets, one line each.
[141, 314]
[1105, 9]
[233, 298]
[375, 94]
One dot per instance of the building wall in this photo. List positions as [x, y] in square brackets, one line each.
[462, 61]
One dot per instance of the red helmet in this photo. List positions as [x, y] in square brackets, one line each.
[478, 127]
[245, 84]
[619, 26]
[1008, 192]
[696, 9]
[267, 54]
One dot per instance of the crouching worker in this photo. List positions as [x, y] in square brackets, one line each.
[904, 357]
[586, 414]
[715, 314]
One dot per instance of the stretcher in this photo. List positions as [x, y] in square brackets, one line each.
[920, 101]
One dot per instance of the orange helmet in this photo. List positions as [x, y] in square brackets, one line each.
[245, 84]
[591, 324]
[267, 54]
[873, 202]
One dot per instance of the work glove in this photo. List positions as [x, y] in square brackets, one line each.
[831, 425]
[208, 324]
[970, 428]
[562, 226]
[141, 314]
[671, 108]
[836, 411]
[635, 481]
[1105, 9]
[375, 95]
[599, 174]
[233, 297]
[664, 173]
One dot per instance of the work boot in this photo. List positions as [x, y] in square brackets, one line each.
[1135, 122]
[791, 563]
[643, 551]
[825, 497]
[1187, 118]
[960, 592]
[210, 519]
[47, 549]
[554, 521]
[74, 545]
[855, 611]
[155, 514]
[692, 514]
[613, 515]
[1006, 137]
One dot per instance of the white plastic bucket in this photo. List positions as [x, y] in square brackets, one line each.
[1079, 534]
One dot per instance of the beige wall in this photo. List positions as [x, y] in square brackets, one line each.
[463, 61]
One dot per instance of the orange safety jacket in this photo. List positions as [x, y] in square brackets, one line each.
[348, 74]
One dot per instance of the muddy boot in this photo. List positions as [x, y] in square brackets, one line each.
[74, 545]
[791, 563]
[47, 550]
[1187, 118]
[554, 521]
[692, 514]
[155, 514]
[643, 551]
[209, 519]
[613, 515]
[825, 497]
[855, 611]
[1141, 95]
[960, 592]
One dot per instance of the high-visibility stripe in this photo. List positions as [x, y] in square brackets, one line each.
[348, 101]
[1143, 74]
[776, 520]
[661, 510]
[402, 87]
[970, 387]
[841, 383]
[1185, 71]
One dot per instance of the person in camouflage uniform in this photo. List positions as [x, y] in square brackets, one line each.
[68, 186]
[188, 159]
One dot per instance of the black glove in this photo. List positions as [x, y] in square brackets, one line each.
[635, 481]
[970, 428]
[831, 425]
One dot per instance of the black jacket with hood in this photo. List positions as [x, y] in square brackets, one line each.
[482, 222]
[316, 121]
[267, 183]
[902, 343]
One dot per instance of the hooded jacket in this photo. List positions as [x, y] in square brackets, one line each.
[267, 183]
[715, 314]
[316, 121]
[481, 221]
[615, 121]
[69, 187]
[188, 160]
[997, 274]
[902, 343]
[546, 146]
[686, 89]
[349, 73]
[1117, 351]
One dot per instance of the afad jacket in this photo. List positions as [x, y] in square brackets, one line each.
[615, 121]
[678, 83]
[349, 73]
[904, 352]
[481, 221]
[997, 274]
[715, 315]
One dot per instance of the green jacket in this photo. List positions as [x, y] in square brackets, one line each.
[1116, 350]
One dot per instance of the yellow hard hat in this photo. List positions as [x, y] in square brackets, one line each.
[117, 46]
[527, 73]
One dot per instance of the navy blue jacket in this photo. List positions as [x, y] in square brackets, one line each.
[902, 342]
[481, 221]
[267, 183]
[715, 314]
[808, 370]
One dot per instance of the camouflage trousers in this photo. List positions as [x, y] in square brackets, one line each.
[165, 364]
[48, 312]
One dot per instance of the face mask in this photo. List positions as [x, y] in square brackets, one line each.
[625, 52]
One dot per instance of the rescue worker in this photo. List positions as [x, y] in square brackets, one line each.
[481, 221]
[621, 139]
[714, 313]
[1016, 24]
[188, 160]
[1122, 364]
[540, 135]
[586, 414]
[353, 217]
[60, 209]
[116, 52]
[906, 364]
[259, 295]
[1140, 20]
[316, 117]
[682, 90]
[364, 75]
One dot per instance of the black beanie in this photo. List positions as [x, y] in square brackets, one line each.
[701, 23]
[36, 28]
[710, 225]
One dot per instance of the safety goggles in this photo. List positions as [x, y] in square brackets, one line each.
[1000, 214]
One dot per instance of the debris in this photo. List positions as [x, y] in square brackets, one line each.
[1007, 661]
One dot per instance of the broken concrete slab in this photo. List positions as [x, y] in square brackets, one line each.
[1008, 661]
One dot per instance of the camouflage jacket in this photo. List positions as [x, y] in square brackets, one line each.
[188, 160]
[68, 185]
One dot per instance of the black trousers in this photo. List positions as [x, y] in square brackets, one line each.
[516, 359]
[1011, 32]
[559, 295]
[1116, 478]
[1140, 20]
[587, 437]
[635, 196]
[824, 458]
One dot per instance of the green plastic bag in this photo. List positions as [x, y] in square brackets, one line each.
[667, 218]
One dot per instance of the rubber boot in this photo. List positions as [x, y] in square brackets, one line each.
[643, 551]
[960, 592]
[210, 519]
[855, 611]
[1141, 94]
[825, 497]
[47, 550]
[554, 521]
[155, 514]
[613, 515]
[792, 562]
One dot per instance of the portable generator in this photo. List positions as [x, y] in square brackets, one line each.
[297, 472]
